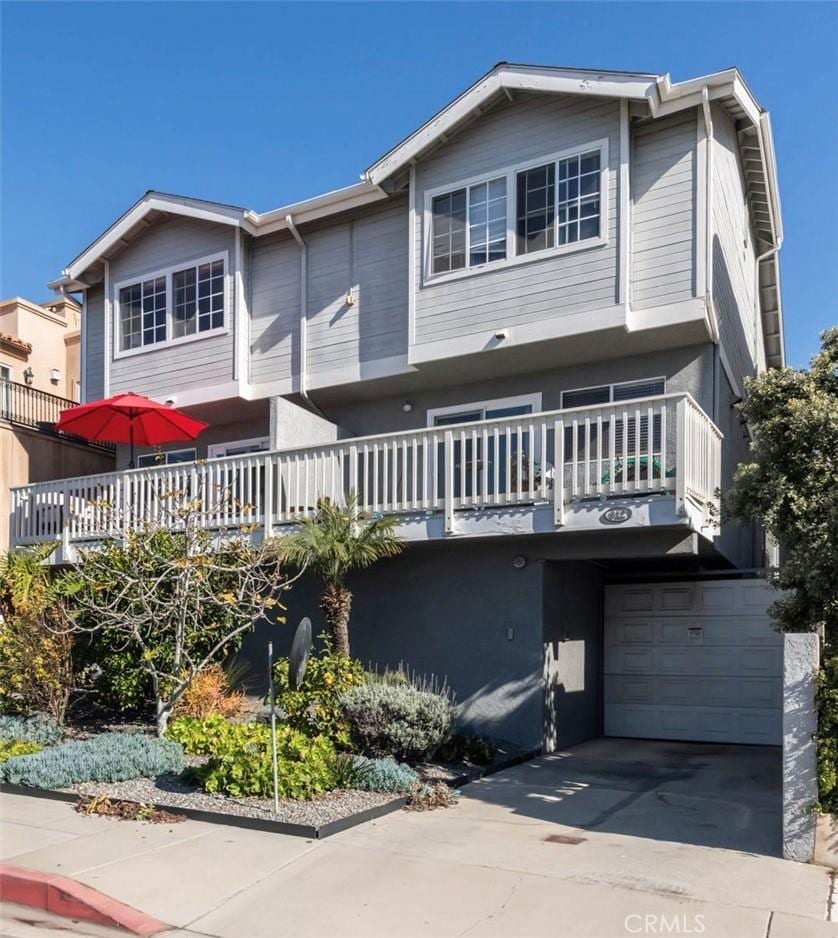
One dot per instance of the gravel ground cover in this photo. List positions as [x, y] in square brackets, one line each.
[170, 791]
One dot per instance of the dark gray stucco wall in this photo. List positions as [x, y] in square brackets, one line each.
[685, 369]
[459, 611]
[573, 595]
[741, 543]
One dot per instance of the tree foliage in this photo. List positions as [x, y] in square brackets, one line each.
[174, 598]
[336, 541]
[791, 488]
[791, 484]
[36, 673]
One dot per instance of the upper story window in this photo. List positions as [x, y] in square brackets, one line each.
[557, 204]
[469, 226]
[177, 304]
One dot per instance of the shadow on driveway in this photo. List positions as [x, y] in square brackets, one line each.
[695, 793]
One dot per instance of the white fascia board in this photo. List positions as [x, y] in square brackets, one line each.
[321, 206]
[511, 78]
[142, 208]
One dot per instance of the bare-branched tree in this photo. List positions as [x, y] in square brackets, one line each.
[177, 593]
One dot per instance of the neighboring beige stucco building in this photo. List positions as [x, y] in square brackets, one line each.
[39, 353]
[39, 344]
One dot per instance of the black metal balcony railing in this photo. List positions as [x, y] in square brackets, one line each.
[31, 407]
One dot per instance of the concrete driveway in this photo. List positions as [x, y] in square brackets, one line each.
[693, 793]
[511, 859]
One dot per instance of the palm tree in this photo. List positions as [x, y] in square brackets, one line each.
[331, 544]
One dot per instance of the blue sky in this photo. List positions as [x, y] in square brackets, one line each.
[260, 104]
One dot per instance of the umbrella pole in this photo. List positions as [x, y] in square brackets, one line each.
[131, 444]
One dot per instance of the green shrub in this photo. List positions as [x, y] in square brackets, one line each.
[17, 747]
[827, 737]
[315, 708]
[37, 728]
[383, 775]
[399, 721]
[111, 757]
[240, 758]
[473, 750]
[206, 736]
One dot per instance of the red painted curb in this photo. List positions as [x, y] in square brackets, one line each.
[63, 896]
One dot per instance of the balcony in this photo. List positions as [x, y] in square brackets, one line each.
[25, 406]
[640, 463]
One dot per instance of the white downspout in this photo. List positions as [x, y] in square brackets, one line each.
[295, 234]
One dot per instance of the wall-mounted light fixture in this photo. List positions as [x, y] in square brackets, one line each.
[55, 375]
[28, 375]
[407, 407]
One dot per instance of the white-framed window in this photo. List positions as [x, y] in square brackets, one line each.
[606, 393]
[179, 304]
[484, 410]
[555, 204]
[167, 458]
[257, 444]
[469, 226]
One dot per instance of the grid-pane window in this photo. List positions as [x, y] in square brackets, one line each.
[211, 296]
[536, 208]
[198, 299]
[487, 222]
[142, 314]
[449, 232]
[185, 299]
[579, 198]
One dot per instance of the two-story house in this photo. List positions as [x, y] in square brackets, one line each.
[524, 332]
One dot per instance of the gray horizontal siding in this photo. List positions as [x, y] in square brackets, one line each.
[94, 343]
[369, 254]
[531, 127]
[274, 309]
[663, 211]
[202, 363]
[733, 249]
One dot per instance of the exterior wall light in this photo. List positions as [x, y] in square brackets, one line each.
[55, 375]
[407, 407]
[28, 375]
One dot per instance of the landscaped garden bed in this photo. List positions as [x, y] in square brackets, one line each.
[141, 636]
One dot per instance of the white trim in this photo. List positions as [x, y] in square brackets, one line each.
[700, 206]
[510, 172]
[219, 450]
[514, 78]
[411, 256]
[534, 400]
[167, 272]
[611, 385]
[85, 309]
[107, 352]
[238, 290]
[165, 454]
[624, 196]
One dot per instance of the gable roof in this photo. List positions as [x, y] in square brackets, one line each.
[651, 95]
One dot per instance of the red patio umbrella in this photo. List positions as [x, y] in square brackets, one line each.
[129, 418]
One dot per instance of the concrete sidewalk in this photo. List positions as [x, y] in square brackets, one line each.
[480, 869]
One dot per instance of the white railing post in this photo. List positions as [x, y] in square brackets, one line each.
[558, 473]
[681, 444]
[268, 497]
[66, 521]
[448, 490]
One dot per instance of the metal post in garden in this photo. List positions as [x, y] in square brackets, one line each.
[272, 695]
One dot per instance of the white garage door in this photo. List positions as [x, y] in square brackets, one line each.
[693, 661]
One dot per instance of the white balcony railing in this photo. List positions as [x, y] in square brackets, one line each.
[660, 444]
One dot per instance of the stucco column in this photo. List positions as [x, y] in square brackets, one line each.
[800, 722]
